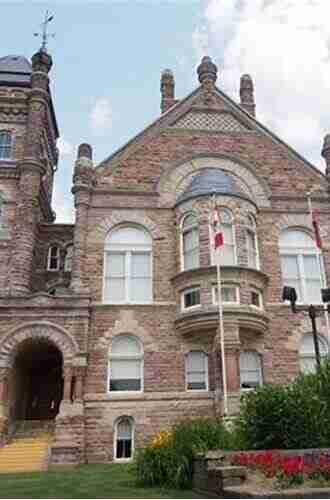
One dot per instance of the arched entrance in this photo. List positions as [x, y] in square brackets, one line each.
[36, 381]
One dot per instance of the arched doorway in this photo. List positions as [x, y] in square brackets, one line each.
[36, 384]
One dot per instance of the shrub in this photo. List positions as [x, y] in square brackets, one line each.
[169, 459]
[288, 416]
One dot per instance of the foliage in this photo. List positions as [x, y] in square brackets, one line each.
[288, 416]
[169, 458]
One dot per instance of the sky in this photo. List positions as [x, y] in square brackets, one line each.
[108, 56]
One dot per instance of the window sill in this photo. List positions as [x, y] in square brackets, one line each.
[191, 308]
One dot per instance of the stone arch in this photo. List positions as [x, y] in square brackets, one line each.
[55, 334]
[295, 221]
[118, 217]
[180, 174]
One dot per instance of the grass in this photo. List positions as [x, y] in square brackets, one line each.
[86, 481]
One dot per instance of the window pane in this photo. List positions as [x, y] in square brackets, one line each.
[196, 371]
[115, 264]
[229, 294]
[289, 264]
[250, 370]
[140, 290]
[311, 266]
[115, 290]
[140, 265]
[124, 448]
[124, 429]
[227, 255]
[191, 298]
[251, 249]
[125, 345]
[313, 291]
[227, 234]
[125, 375]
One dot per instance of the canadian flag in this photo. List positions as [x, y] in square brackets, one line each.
[315, 222]
[217, 233]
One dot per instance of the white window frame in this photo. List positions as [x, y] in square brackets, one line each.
[311, 355]
[251, 229]
[128, 250]
[182, 231]
[10, 146]
[233, 230]
[260, 295]
[135, 357]
[66, 258]
[300, 252]
[227, 285]
[206, 371]
[58, 257]
[255, 353]
[117, 422]
[185, 292]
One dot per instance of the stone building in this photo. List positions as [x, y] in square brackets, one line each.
[109, 326]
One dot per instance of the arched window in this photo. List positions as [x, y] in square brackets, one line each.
[307, 352]
[124, 438]
[250, 369]
[197, 371]
[5, 145]
[300, 265]
[68, 258]
[190, 242]
[128, 266]
[227, 251]
[252, 243]
[53, 263]
[126, 364]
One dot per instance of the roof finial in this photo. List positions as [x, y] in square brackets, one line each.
[44, 34]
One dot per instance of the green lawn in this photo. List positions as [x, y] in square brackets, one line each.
[87, 481]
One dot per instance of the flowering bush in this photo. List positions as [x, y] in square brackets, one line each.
[288, 470]
[168, 460]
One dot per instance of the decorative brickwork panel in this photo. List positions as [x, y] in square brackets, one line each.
[217, 122]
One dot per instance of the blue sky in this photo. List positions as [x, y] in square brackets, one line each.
[108, 56]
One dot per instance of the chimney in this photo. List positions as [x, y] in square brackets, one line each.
[326, 154]
[167, 86]
[246, 93]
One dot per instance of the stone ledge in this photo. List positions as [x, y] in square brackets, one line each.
[246, 492]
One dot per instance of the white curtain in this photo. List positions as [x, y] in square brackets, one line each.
[250, 369]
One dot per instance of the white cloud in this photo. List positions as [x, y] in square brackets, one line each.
[285, 46]
[101, 115]
[65, 147]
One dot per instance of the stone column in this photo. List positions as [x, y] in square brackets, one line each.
[67, 383]
[232, 364]
[83, 181]
[31, 169]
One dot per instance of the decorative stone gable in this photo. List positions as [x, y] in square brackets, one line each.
[216, 122]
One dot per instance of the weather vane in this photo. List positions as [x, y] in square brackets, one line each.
[44, 34]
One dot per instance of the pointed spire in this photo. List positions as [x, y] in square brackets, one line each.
[207, 71]
[246, 93]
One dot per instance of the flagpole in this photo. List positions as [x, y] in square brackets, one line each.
[222, 338]
[220, 311]
[319, 260]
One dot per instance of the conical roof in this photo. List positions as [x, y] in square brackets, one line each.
[15, 69]
[212, 181]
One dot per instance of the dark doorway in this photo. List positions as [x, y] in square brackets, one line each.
[37, 382]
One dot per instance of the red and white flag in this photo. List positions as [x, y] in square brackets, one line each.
[217, 233]
[315, 222]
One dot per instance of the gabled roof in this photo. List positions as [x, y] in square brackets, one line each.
[178, 110]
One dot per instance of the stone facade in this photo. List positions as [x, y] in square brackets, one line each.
[47, 300]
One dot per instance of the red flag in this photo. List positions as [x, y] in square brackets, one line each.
[315, 223]
[218, 234]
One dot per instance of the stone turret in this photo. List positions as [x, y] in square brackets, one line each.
[326, 154]
[246, 93]
[167, 90]
[83, 181]
[31, 169]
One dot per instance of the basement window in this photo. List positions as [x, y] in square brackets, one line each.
[124, 439]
